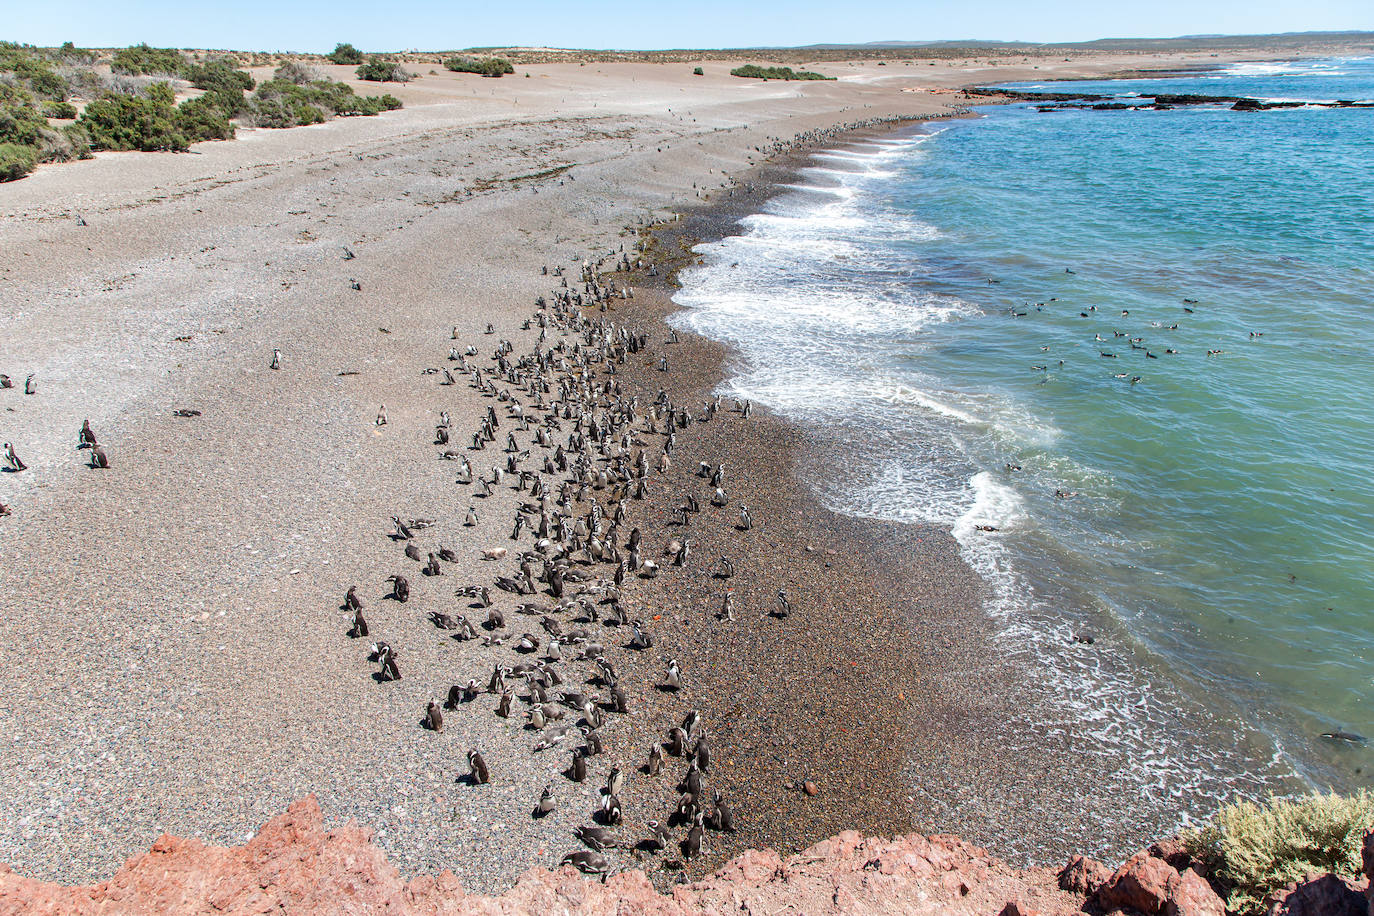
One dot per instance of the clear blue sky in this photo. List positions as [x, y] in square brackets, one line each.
[315, 25]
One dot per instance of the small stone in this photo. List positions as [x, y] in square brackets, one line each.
[810, 788]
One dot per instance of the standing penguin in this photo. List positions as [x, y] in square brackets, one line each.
[98, 457]
[13, 459]
[400, 588]
[434, 718]
[276, 359]
[30, 386]
[477, 768]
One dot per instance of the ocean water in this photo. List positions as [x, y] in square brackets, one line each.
[1137, 345]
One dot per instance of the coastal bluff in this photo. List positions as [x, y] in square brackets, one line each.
[295, 865]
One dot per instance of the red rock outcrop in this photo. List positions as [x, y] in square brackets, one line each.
[294, 865]
[1150, 885]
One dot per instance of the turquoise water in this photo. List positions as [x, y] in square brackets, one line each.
[940, 304]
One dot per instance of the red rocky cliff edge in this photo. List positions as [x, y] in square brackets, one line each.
[295, 866]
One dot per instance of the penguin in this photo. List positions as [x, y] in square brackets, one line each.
[610, 810]
[657, 838]
[30, 386]
[677, 742]
[478, 773]
[471, 519]
[723, 817]
[400, 588]
[587, 861]
[359, 628]
[86, 438]
[546, 803]
[745, 521]
[13, 460]
[655, 764]
[98, 458]
[412, 552]
[691, 847]
[351, 600]
[615, 780]
[5, 381]
[434, 719]
[703, 753]
[578, 771]
[727, 608]
[403, 532]
[672, 680]
[387, 657]
[597, 838]
[432, 568]
[381, 416]
[276, 359]
[784, 606]
[503, 705]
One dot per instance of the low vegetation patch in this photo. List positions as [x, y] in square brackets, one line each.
[136, 108]
[1257, 849]
[345, 53]
[754, 71]
[377, 70]
[484, 66]
[141, 60]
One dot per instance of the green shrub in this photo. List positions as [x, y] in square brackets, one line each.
[206, 118]
[218, 74]
[697, 71]
[488, 66]
[345, 53]
[63, 111]
[1257, 849]
[377, 70]
[127, 122]
[22, 124]
[141, 60]
[16, 161]
[754, 71]
[293, 71]
[281, 103]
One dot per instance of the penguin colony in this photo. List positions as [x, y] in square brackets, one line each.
[553, 620]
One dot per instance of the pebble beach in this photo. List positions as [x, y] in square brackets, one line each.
[179, 657]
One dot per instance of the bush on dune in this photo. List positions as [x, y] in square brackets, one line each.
[293, 71]
[141, 60]
[754, 71]
[377, 70]
[490, 66]
[62, 111]
[16, 161]
[130, 122]
[345, 53]
[218, 75]
[1257, 849]
[282, 103]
